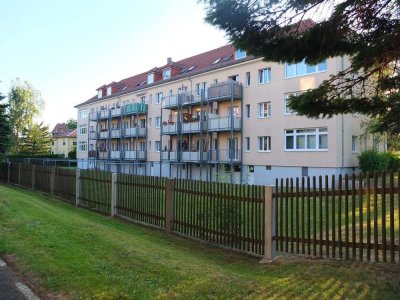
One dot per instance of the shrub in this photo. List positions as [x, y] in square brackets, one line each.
[373, 161]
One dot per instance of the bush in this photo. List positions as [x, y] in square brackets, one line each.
[373, 161]
[72, 154]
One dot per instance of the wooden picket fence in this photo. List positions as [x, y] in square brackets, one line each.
[344, 217]
[340, 217]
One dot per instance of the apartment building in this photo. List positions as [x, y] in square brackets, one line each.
[219, 113]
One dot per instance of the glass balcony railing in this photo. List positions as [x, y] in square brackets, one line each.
[93, 116]
[115, 155]
[135, 154]
[103, 134]
[171, 128]
[193, 156]
[169, 156]
[115, 133]
[103, 154]
[184, 99]
[224, 156]
[135, 131]
[93, 135]
[225, 90]
[224, 123]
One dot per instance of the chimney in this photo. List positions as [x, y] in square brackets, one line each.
[169, 60]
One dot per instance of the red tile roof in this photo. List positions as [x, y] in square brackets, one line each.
[62, 130]
[201, 63]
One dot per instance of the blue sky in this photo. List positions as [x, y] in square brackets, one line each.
[67, 49]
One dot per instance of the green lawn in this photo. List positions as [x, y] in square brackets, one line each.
[81, 254]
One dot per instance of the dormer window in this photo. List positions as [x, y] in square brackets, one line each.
[240, 54]
[99, 93]
[216, 61]
[167, 73]
[109, 91]
[150, 78]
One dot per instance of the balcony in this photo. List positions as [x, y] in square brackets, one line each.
[93, 116]
[135, 131]
[115, 133]
[104, 114]
[192, 127]
[224, 124]
[193, 156]
[170, 101]
[92, 154]
[103, 154]
[135, 154]
[171, 128]
[93, 135]
[224, 156]
[116, 112]
[103, 134]
[184, 99]
[135, 108]
[226, 90]
[115, 155]
[169, 156]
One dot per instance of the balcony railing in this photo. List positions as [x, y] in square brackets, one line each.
[135, 154]
[93, 116]
[103, 134]
[183, 99]
[115, 154]
[116, 112]
[135, 131]
[104, 114]
[169, 156]
[224, 123]
[103, 154]
[93, 135]
[193, 156]
[225, 91]
[92, 154]
[226, 155]
[170, 128]
[115, 133]
[135, 108]
[192, 127]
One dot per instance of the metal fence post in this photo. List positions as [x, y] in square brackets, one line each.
[169, 204]
[52, 179]
[33, 176]
[78, 187]
[269, 223]
[114, 193]
[9, 173]
[19, 174]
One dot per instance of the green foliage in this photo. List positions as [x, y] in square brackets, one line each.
[71, 123]
[37, 140]
[25, 103]
[5, 128]
[373, 161]
[365, 30]
[72, 154]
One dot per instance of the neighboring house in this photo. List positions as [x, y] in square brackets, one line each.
[64, 139]
[216, 111]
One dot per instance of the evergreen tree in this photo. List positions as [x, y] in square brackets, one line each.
[36, 140]
[368, 31]
[5, 128]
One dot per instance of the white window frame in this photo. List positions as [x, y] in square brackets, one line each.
[150, 78]
[261, 110]
[262, 79]
[82, 146]
[167, 73]
[248, 111]
[157, 146]
[301, 65]
[159, 97]
[240, 54]
[99, 94]
[158, 122]
[354, 144]
[247, 144]
[83, 113]
[248, 79]
[289, 112]
[82, 129]
[109, 91]
[261, 143]
[317, 132]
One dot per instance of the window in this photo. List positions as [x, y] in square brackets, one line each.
[158, 146]
[306, 139]
[216, 61]
[149, 123]
[82, 129]
[264, 143]
[109, 91]
[158, 122]
[264, 76]
[149, 146]
[159, 97]
[234, 77]
[198, 91]
[99, 93]
[247, 144]
[301, 68]
[83, 113]
[63, 142]
[167, 73]
[150, 78]
[248, 79]
[143, 99]
[264, 109]
[82, 146]
[215, 81]
[354, 144]
[288, 111]
[240, 54]
[304, 171]
[248, 111]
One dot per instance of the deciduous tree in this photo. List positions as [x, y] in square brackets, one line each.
[368, 31]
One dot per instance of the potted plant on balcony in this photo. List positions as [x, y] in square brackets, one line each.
[171, 122]
[165, 123]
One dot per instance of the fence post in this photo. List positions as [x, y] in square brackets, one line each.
[114, 193]
[77, 186]
[269, 223]
[9, 172]
[169, 204]
[52, 180]
[33, 176]
[19, 174]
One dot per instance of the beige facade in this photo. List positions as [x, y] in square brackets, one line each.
[63, 145]
[233, 116]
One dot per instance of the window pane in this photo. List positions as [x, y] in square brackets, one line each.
[301, 68]
[311, 142]
[323, 141]
[290, 70]
[311, 69]
[300, 142]
[322, 66]
[323, 129]
[289, 142]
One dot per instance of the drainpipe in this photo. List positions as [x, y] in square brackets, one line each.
[342, 122]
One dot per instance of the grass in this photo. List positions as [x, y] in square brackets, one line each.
[83, 255]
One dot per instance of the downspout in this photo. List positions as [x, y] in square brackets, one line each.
[342, 167]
